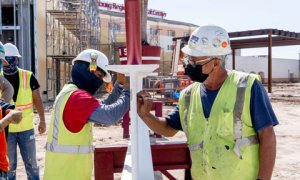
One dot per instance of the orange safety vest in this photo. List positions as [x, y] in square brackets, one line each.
[3, 149]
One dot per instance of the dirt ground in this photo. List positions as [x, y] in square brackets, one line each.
[286, 104]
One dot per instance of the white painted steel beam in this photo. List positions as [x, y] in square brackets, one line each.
[138, 162]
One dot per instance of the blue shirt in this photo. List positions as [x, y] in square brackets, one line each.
[261, 111]
[113, 107]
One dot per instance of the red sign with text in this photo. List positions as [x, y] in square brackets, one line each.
[121, 8]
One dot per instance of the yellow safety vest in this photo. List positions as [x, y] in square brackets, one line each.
[24, 103]
[68, 155]
[224, 146]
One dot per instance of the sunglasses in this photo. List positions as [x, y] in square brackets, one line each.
[193, 61]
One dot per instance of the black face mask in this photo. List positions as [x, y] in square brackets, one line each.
[195, 73]
[84, 79]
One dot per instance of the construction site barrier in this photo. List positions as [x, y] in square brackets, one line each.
[165, 156]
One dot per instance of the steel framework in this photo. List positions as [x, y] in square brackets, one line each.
[18, 26]
[259, 38]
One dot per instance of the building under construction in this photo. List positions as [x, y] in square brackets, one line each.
[71, 26]
[48, 34]
[18, 26]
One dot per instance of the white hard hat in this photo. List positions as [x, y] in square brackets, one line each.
[208, 40]
[11, 50]
[102, 61]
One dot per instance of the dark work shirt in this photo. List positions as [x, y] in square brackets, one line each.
[15, 82]
[261, 111]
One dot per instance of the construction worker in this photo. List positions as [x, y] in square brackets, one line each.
[226, 115]
[6, 88]
[69, 148]
[26, 94]
[14, 116]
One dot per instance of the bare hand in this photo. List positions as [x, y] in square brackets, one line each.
[144, 103]
[16, 116]
[42, 127]
[123, 80]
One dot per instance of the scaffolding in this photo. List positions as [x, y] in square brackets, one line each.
[71, 26]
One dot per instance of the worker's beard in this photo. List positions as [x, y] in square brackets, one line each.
[84, 79]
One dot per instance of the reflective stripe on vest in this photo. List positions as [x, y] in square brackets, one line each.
[187, 100]
[54, 146]
[238, 123]
[186, 109]
[24, 80]
[24, 107]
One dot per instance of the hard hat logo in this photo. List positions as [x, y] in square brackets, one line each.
[224, 44]
[216, 42]
[193, 42]
[204, 41]
[93, 64]
[220, 33]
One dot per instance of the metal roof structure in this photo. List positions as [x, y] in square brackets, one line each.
[257, 39]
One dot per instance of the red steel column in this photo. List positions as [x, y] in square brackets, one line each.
[133, 31]
[125, 125]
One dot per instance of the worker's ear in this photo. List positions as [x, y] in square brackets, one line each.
[216, 62]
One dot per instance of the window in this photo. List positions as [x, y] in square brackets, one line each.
[153, 31]
[186, 34]
[171, 33]
[170, 47]
[114, 27]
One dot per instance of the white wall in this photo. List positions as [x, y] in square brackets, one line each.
[281, 68]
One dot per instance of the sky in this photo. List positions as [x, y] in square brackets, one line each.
[237, 15]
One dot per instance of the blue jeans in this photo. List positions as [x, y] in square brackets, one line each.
[3, 175]
[26, 142]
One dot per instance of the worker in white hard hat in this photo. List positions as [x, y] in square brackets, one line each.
[69, 147]
[14, 116]
[226, 115]
[26, 95]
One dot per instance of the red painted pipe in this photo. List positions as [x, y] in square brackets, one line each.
[133, 31]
